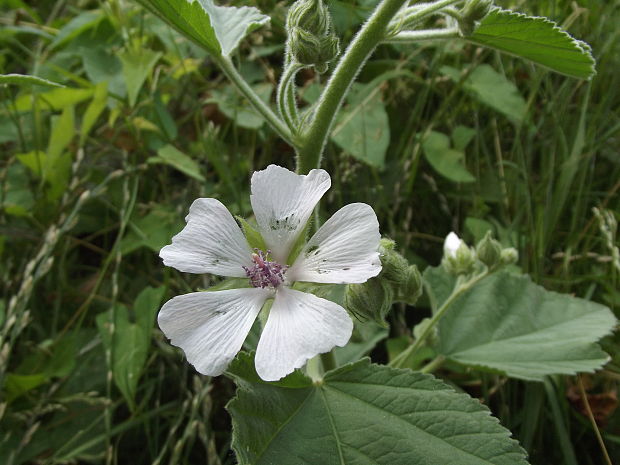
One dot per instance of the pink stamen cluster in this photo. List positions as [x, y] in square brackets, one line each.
[265, 273]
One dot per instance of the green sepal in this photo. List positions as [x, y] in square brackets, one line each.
[252, 235]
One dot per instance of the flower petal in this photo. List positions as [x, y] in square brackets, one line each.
[300, 326]
[451, 244]
[282, 202]
[343, 250]
[210, 327]
[211, 242]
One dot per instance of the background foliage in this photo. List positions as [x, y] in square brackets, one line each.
[97, 175]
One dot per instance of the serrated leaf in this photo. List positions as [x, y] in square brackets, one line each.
[218, 29]
[26, 80]
[362, 414]
[448, 162]
[509, 324]
[170, 155]
[537, 39]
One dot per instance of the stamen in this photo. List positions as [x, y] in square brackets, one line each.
[265, 273]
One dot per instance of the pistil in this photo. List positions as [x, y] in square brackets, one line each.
[265, 273]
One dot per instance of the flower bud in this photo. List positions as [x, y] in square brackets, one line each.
[458, 258]
[312, 16]
[473, 12]
[489, 250]
[509, 256]
[393, 265]
[371, 300]
[310, 39]
[411, 289]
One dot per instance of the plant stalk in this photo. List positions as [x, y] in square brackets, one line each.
[458, 290]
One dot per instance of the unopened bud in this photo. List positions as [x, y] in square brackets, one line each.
[393, 265]
[509, 256]
[311, 41]
[411, 289]
[458, 258]
[473, 12]
[371, 300]
[489, 250]
[312, 16]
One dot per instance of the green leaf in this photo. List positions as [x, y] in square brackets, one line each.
[145, 308]
[537, 39]
[129, 349]
[492, 89]
[169, 155]
[56, 99]
[363, 128]
[18, 385]
[137, 65]
[448, 162]
[362, 414]
[252, 235]
[18, 199]
[152, 230]
[218, 29]
[78, 25]
[25, 80]
[509, 324]
[239, 109]
[94, 110]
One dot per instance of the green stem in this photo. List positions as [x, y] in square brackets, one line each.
[458, 290]
[285, 98]
[366, 40]
[433, 364]
[426, 34]
[276, 123]
[360, 48]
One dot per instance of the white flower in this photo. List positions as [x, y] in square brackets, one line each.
[451, 244]
[210, 327]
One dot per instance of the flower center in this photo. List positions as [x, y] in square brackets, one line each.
[265, 273]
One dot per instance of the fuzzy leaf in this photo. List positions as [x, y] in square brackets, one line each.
[362, 414]
[509, 324]
[537, 39]
[218, 29]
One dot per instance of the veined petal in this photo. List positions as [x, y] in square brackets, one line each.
[300, 326]
[210, 327]
[282, 202]
[211, 242]
[343, 250]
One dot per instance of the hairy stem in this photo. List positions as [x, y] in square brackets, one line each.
[458, 290]
[314, 138]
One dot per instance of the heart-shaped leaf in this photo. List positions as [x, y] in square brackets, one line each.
[363, 414]
[509, 324]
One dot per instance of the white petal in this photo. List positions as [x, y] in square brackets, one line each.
[300, 326]
[282, 202]
[451, 244]
[211, 242]
[343, 250]
[210, 327]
